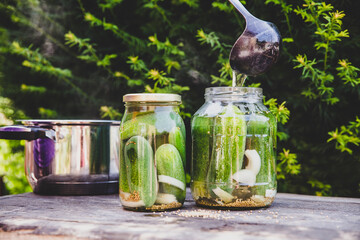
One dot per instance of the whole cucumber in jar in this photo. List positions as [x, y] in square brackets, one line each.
[123, 180]
[140, 172]
[171, 174]
[258, 138]
[159, 122]
[177, 138]
[227, 150]
[201, 131]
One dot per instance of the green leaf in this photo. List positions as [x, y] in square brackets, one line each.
[288, 40]
[47, 113]
[33, 89]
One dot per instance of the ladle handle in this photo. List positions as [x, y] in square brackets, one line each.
[238, 5]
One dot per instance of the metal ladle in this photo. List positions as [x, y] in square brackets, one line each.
[258, 47]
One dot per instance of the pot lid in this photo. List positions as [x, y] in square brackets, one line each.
[42, 122]
[152, 97]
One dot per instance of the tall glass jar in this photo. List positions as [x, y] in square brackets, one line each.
[233, 150]
[152, 153]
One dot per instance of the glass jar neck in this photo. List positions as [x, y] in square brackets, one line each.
[234, 94]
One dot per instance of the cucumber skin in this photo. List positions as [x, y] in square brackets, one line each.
[123, 178]
[140, 126]
[201, 132]
[158, 123]
[177, 192]
[209, 165]
[264, 128]
[259, 131]
[140, 168]
[169, 163]
[177, 139]
[228, 150]
[201, 129]
[273, 139]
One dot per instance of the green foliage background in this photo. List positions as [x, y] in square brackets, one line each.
[76, 59]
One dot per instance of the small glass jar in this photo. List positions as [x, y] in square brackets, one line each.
[152, 153]
[233, 150]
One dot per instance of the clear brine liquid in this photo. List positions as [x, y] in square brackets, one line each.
[218, 157]
[152, 161]
[224, 156]
[238, 79]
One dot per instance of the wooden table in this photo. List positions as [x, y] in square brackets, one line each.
[30, 216]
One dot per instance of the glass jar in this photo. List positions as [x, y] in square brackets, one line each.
[233, 150]
[152, 153]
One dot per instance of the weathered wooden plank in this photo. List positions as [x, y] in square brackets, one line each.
[102, 217]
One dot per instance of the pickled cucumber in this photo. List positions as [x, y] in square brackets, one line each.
[170, 171]
[229, 146]
[141, 126]
[260, 137]
[201, 132]
[158, 122]
[258, 125]
[272, 143]
[140, 169]
[123, 181]
[177, 139]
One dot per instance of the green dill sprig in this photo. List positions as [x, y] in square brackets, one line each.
[346, 136]
[35, 61]
[348, 73]
[109, 4]
[88, 51]
[110, 113]
[287, 164]
[166, 46]
[132, 41]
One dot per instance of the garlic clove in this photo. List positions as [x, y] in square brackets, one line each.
[254, 161]
[245, 176]
[223, 195]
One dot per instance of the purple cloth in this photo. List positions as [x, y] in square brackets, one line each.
[44, 152]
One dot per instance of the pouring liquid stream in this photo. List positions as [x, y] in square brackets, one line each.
[238, 79]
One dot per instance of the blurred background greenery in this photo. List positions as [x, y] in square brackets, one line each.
[76, 59]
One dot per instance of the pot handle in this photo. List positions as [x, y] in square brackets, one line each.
[18, 132]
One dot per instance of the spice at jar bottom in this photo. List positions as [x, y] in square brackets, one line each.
[152, 153]
[233, 150]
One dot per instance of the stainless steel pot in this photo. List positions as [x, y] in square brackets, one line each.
[69, 157]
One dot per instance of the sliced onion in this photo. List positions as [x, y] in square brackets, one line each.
[172, 181]
[223, 195]
[245, 176]
[254, 161]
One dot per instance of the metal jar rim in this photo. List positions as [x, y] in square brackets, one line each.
[233, 91]
[152, 97]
